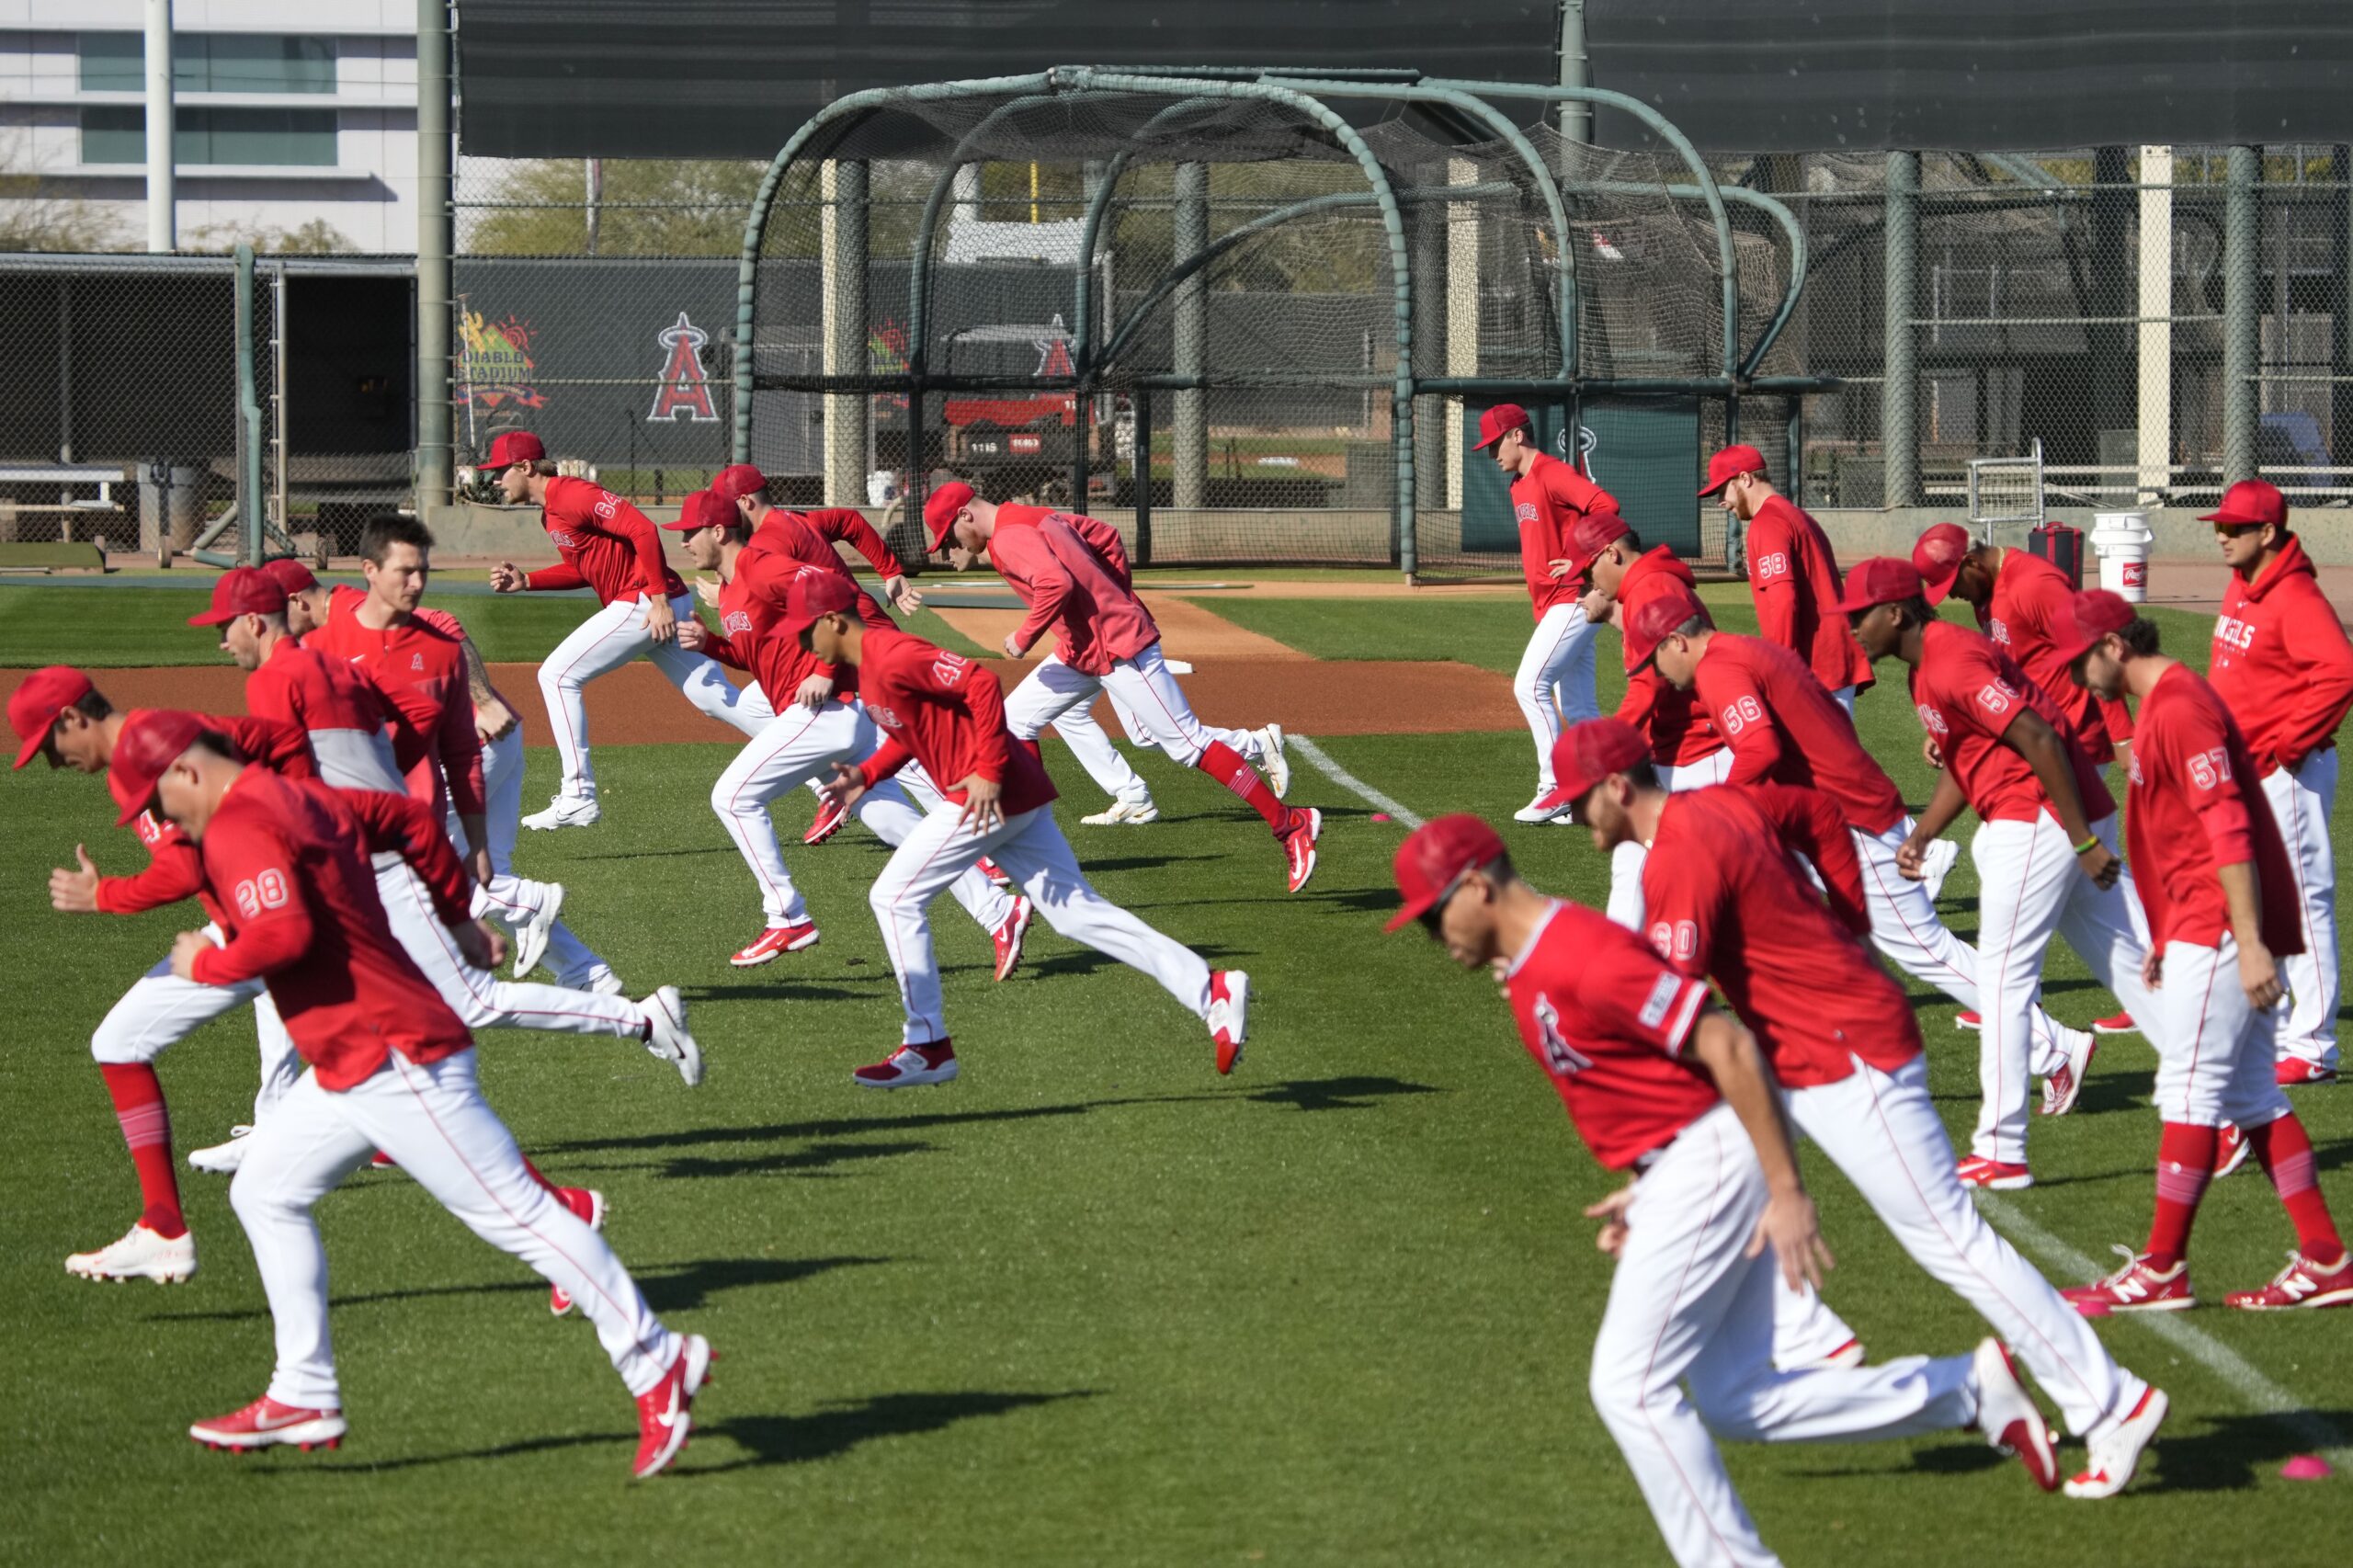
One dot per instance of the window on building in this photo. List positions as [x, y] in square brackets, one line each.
[250, 137]
[211, 63]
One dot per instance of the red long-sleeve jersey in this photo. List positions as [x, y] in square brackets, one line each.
[606, 544]
[421, 671]
[1680, 730]
[2282, 660]
[947, 713]
[2032, 600]
[175, 870]
[1095, 615]
[841, 525]
[1794, 576]
[350, 722]
[753, 635]
[1968, 694]
[1546, 502]
[1783, 727]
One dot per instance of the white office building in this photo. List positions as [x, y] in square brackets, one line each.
[295, 118]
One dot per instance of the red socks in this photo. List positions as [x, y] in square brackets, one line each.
[2185, 1165]
[2286, 1151]
[1229, 767]
[147, 1128]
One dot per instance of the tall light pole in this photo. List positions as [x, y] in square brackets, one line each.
[163, 197]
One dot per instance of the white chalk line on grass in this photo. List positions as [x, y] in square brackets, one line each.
[2264, 1396]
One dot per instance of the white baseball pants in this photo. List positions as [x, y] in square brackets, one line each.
[479, 997]
[612, 637]
[1689, 1307]
[508, 897]
[2303, 799]
[2216, 1059]
[1554, 682]
[160, 1010]
[1039, 859]
[434, 1121]
[799, 747]
[1626, 860]
[1053, 688]
[1143, 683]
[2029, 890]
[1845, 698]
[1882, 1129]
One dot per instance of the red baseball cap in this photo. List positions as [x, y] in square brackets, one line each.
[1730, 464]
[1595, 532]
[150, 741]
[736, 481]
[290, 575]
[1937, 557]
[816, 592]
[241, 590]
[33, 707]
[704, 510]
[2090, 616]
[513, 447]
[1652, 619]
[1590, 752]
[1434, 859]
[2250, 504]
[1881, 579]
[1499, 422]
[940, 511]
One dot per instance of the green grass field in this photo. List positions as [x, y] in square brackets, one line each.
[1089, 1304]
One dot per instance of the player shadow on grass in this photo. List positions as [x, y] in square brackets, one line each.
[674, 1288]
[816, 1160]
[842, 1426]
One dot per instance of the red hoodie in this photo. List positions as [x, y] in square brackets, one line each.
[1679, 732]
[2282, 660]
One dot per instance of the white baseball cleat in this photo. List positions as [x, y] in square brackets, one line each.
[2063, 1088]
[140, 1254]
[531, 932]
[565, 811]
[1229, 1019]
[265, 1423]
[665, 1019]
[1124, 812]
[1536, 811]
[1937, 863]
[2007, 1414]
[1272, 758]
[222, 1159]
[2116, 1455]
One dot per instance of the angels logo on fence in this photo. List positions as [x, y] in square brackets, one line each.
[1582, 458]
[685, 389]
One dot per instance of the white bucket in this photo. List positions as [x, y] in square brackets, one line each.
[2122, 539]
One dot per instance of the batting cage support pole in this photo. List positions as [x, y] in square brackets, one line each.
[249, 414]
[1899, 427]
[436, 454]
[2242, 309]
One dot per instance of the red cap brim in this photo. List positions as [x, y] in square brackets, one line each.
[1936, 591]
[1718, 485]
[2231, 519]
[214, 617]
[1483, 445]
[40, 738]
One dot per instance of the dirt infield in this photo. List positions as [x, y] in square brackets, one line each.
[634, 706]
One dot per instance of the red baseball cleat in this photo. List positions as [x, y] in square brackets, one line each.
[2117, 1455]
[1298, 838]
[2294, 1070]
[2230, 1149]
[2120, 1024]
[2135, 1288]
[666, 1411]
[2303, 1283]
[994, 872]
[266, 1423]
[777, 939]
[2065, 1084]
[2007, 1414]
[1229, 1016]
[1994, 1175]
[910, 1065]
[1008, 936]
[830, 818]
[383, 1161]
[1966, 1019]
[587, 1206]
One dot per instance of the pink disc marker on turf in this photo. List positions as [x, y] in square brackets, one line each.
[2306, 1467]
[1381, 816]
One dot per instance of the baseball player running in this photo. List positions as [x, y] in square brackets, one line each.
[1792, 572]
[823, 723]
[1106, 640]
[609, 546]
[942, 710]
[60, 716]
[2019, 599]
[2282, 665]
[1658, 1082]
[1782, 726]
[2045, 848]
[2216, 882]
[1549, 498]
[1728, 901]
[391, 1068]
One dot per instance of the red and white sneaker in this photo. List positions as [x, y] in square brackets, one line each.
[2116, 1455]
[1993, 1176]
[1008, 936]
[994, 872]
[587, 1206]
[2293, 1071]
[2135, 1288]
[666, 1411]
[2120, 1023]
[142, 1253]
[910, 1065]
[1298, 838]
[2009, 1416]
[777, 939]
[2303, 1283]
[383, 1161]
[1845, 1358]
[2230, 1149]
[1965, 1019]
[830, 818]
[2064, 1086]
[1229, 1017]
[266, 1424]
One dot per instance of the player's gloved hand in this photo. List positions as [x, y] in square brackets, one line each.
[1611, 1213]
[1789, 1227]
[661, 622]
[506, 578]
[903, 599]
[848, 787]
[983, 813]
[2259, 976]
[815, 691]
[2101, 865]
[1912, 859]
[692, 634]
[1933, 754]
[493, 719]
[76, 892]
[184, 946]
[478, 944]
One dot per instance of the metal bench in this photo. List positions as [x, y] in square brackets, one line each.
[65, 476]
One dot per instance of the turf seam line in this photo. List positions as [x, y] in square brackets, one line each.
[2265, 1397]
[1349, 781]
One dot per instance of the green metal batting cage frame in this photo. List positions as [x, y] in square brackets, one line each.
[1376, 257]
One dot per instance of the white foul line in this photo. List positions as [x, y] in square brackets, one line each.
[2263, 1395]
